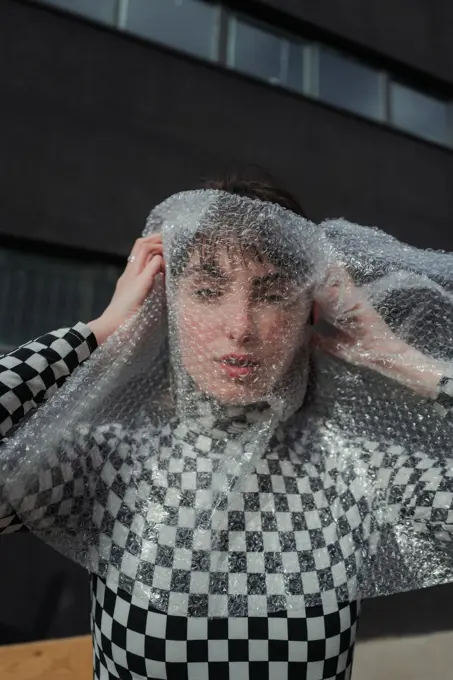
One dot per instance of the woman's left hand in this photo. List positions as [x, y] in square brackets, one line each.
[363, 338]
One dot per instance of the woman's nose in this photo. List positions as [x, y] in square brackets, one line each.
[239, 323]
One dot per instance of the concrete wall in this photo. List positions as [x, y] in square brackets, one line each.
[97, 127]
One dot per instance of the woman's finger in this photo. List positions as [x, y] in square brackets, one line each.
[144, 253]
[153, 239]
[156, 239]
[154, 267]
[147, 239]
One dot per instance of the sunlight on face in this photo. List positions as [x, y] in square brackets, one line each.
[241, 322]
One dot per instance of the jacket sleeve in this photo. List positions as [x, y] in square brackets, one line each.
[60, 492]
[418, 487]
[443, 402]
[28, 376]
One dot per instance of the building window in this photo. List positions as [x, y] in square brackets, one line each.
[39, 293]
[99, 10]
[267, 55]
[350, 85]
[416, 112]
[255, 51]
[187, 25]
[211, 30]
[295, 65]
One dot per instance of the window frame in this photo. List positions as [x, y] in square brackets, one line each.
[382, 85]
[222, 53]
[41, 269]
[284, 37]
[213, 57]
[428, 94]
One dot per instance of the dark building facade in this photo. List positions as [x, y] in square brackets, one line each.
[109, 106]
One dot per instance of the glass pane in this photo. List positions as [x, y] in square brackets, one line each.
[188, 25]
[419, 113]
[256, 51]
[295, 74]
[101, 10]
[349, 84]
[40, 293]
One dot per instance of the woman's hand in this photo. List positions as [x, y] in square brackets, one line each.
[133, 286]
[363, 338]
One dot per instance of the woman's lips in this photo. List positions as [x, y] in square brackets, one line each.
[237, 371]
[238, 365]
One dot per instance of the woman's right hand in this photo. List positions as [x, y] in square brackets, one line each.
[133, 286]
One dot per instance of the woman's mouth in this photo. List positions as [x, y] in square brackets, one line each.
[238, 365]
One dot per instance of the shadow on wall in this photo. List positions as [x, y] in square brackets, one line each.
[42, 594]
[45, 596]
[415, 613]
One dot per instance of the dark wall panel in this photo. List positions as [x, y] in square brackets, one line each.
[96, 128]
[415, 32]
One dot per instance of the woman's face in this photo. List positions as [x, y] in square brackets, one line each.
[241, 322]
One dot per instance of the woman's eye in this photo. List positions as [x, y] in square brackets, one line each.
[208, 293]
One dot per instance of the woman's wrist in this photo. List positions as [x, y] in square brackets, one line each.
[411, 367]
[103, 327]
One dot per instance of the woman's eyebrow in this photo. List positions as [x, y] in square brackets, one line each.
[207, 270]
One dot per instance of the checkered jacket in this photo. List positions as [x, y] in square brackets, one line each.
[31, 374]
[135, 640]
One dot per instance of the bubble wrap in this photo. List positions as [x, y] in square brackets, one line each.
[221, 455]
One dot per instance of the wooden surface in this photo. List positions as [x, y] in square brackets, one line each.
[69, 659]
[427, 657]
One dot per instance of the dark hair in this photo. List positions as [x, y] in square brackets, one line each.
[261, 242]
[262, 190]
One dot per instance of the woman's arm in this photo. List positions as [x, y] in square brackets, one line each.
[60, 490]
[9, 521]
[444, 396]
[30, 374]
[363, 338]
[410, 367]
[419, 489]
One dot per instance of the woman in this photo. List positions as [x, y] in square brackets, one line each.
[230, 507]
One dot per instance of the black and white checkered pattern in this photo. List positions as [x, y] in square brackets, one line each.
[33, 372]
[444, 399]
[9, 521]
[263, 585]
[133, 640]
[291, 533]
